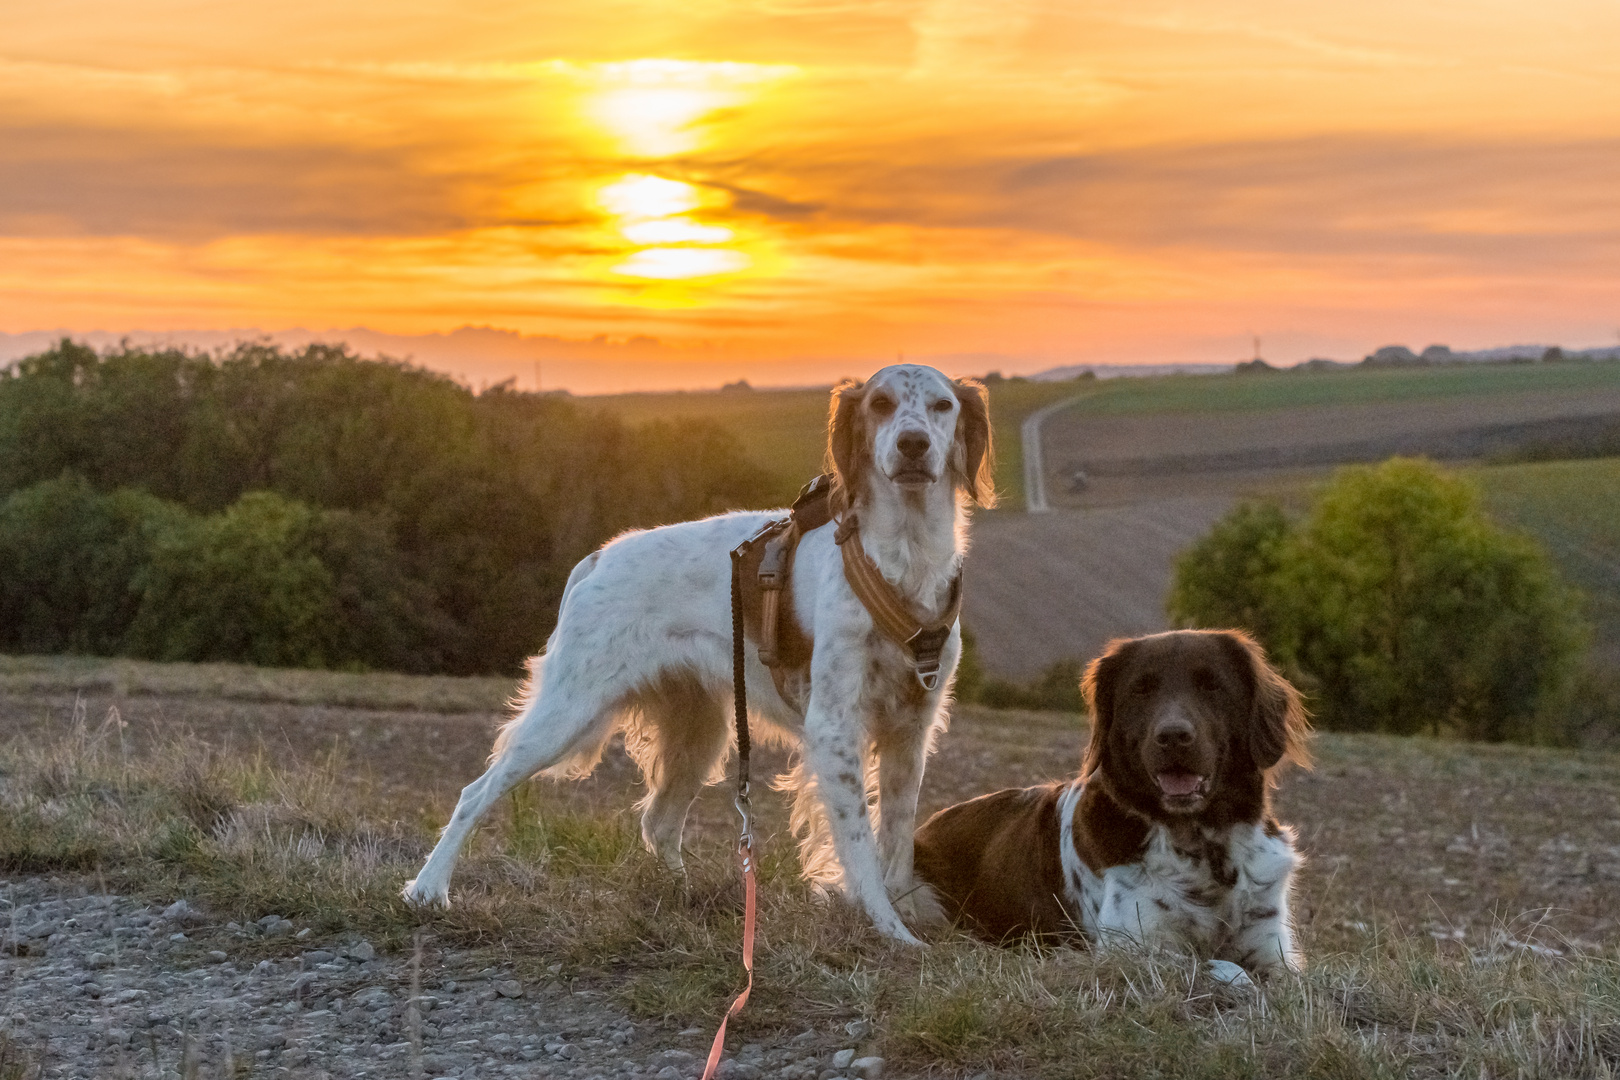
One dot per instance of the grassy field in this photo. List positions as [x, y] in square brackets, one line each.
[1347, 386]
[1573, 508]
[786, 430]
[1460, 909]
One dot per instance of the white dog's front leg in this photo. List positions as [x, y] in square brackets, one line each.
[901, 756]
[833, 740]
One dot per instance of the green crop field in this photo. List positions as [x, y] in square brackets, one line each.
[1349, 386]
[1573, 508]
[785, 431]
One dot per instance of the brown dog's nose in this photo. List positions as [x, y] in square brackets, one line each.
[913, 444]
[1176, 731]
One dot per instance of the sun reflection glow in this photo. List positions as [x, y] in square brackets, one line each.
[639, 197]
[676, 263]
[651, 209]
[676, 231]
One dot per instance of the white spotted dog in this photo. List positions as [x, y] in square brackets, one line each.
[643, 642]
[1166, 839]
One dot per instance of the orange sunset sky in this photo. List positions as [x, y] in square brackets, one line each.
[655, 194]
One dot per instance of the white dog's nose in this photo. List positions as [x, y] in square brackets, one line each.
[913, 444]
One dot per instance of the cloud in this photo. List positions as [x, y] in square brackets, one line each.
[954, 36]
[1477, 202]
[56, 181]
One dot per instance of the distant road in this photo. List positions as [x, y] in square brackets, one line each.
[1034, 468]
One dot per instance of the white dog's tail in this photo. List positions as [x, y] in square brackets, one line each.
[580, 763]
[809, 825]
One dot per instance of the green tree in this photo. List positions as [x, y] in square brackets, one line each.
[70, 559]
[1399, 605]
[243, 585]
[277, 582]
[1228, 578]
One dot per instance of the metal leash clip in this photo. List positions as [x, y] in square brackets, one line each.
[745, 842]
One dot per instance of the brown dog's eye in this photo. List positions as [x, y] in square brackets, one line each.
[1144, 686]
[882, 406]
[942, 405]
[1206, 682]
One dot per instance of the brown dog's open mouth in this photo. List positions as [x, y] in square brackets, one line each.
[1181, 785]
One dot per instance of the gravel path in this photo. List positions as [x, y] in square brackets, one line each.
[93, 985]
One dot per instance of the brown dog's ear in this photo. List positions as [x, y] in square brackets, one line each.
[973, 457]
[847, 448]
[1102, 676]
[1277, 724]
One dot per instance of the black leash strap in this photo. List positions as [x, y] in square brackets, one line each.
[810, 511]
[739, 672]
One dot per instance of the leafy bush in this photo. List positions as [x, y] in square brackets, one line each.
[69, 560]
[269, 580]
[275, 582]
[1397, 603]
[1056, 689]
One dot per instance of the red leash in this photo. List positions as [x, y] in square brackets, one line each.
[746, 850]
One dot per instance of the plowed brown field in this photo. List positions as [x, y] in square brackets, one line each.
[1047, 587]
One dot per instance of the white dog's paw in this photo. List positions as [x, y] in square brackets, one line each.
[901, 936]
[418, 895]
[895, 930]
[1228, 973]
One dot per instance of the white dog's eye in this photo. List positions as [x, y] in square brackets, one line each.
[942, 405]
[882, 406]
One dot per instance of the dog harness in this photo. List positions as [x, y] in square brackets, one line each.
[767, 582]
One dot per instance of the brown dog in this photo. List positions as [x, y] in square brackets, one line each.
[1166, 837]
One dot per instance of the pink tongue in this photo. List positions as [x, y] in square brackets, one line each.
[1179, 783]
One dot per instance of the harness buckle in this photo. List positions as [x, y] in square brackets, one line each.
[765, 531]
[774, 561]
[926, 646]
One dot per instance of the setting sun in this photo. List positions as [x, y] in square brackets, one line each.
[654, 107]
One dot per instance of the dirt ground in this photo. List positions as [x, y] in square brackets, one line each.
[1459, 840]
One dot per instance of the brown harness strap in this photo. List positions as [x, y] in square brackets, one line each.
[767, 582]
[766, 578]
[891, 612]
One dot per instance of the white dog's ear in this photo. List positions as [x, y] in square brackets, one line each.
[973, 457]
[849, 452]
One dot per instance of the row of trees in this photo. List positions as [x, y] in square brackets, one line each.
[1397, 605]
[313, 508]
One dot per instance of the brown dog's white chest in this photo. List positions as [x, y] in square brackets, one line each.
[1226, 895]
